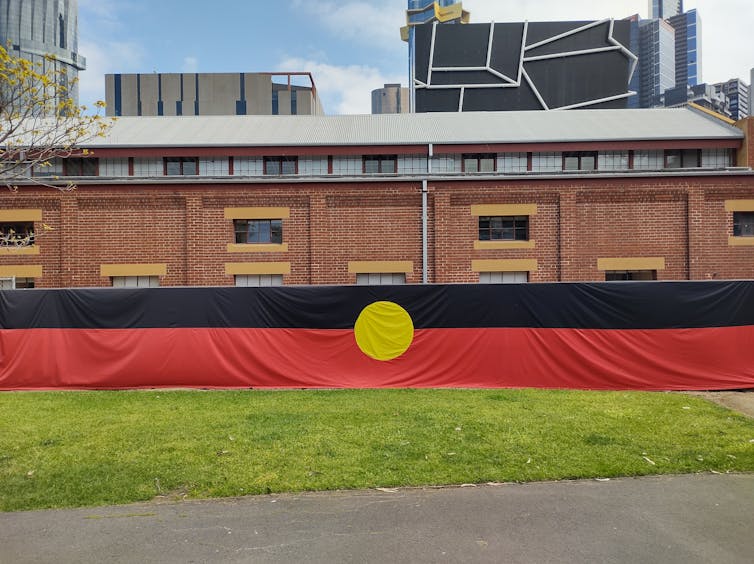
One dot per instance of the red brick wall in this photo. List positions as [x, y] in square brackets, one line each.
[682, 219]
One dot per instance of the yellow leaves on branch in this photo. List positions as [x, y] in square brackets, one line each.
[39, 121]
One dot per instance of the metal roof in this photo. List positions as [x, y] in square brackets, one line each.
[416, 129]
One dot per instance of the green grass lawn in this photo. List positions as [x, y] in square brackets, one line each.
[66, 449]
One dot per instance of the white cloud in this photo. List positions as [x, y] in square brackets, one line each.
[190, 64]
[342, 89]
[103, 58]
[376, 24]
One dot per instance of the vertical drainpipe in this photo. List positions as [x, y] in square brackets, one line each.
[425, 257]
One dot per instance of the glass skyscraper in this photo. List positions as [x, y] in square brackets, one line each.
[688, 48]
[36, 29]
[656, 61]
[664, 9]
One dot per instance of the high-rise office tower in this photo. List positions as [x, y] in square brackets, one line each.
[664, 9]
[688, 48]
[38, 29]
[657, 64]
[421, 12]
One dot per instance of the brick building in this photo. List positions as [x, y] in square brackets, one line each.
[588, 195]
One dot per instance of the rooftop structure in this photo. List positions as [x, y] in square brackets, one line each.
[192, 94]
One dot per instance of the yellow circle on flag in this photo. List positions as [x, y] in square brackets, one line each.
[383, 330]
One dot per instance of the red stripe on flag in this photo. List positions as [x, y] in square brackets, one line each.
[667, 359]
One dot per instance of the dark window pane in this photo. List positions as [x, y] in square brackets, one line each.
[588, 162]
[241, 229]
[272, 167]
[388, 166]
[88, 167]
[16, 234]
[172, 167]
[263, 231]
[672, 159]
[471, 165]
[487, 164]
[276, 231]
[690, 158]
[571, 162]
[371, 166]
[743, 224]
[190, 167]
[288, 166]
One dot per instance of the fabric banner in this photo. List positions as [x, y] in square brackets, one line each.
[601, 336]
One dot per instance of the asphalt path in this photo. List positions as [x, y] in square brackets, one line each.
[684, 519]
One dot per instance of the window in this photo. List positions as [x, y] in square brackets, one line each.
[479, 163]
[503, 277]
[380, 278]
[546, 162]
[743, 224]
[379, 164]
[181, 166]
[504, 228]
[716, 158]
[258, 230]
[275, 166]
[624, 275]
[16, 283]
[580, 160]
[513, 162]
[648, 160]
[81, 166]
[136, 281]
[16, 234]
[685, 158]
[612, 160]
[258, 280]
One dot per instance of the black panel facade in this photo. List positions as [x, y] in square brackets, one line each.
[563, 65]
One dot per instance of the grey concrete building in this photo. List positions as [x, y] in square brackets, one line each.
[194, 94]
[36, 29]
[737, 92]
[391, 99]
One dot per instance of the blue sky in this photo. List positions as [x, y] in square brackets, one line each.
[350, 46]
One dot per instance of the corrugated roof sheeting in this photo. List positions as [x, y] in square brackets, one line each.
[416, 129]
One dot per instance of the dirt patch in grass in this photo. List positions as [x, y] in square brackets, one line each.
[741, 401]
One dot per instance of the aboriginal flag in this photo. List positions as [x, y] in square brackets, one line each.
[601, 336]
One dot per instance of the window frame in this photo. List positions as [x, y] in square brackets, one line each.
[478, 158]
[74, 166]
[181, 161]
[26, 283]
[266, 161]
[142, 281]
[579, 156]
[275, 233]
[380, 160]
[489, 277]
[261, 280]
[682, 155]
[25, 240]
[366, 278]
[628, 275]
[515, 229]
[743, 223]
